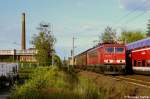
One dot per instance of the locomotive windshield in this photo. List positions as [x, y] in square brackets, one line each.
[110, 49]
[120, 50]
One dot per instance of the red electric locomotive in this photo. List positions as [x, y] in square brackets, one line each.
[140, 56]
[110, 58]
[104, 58]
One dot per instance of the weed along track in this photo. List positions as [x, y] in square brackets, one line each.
[140, 83]
[124, 85]
[137, 80]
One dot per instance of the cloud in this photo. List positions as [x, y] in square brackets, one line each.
[138, 5]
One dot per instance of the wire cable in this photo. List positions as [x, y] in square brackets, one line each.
[128, 14]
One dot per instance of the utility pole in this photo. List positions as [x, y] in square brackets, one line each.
[73, 49]
[51, 27]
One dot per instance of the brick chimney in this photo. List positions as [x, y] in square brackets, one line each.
[23, 43]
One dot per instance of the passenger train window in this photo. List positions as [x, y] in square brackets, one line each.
[134, 62]
[120, 50]
[139, 63]
[148, 63]
[109, 50]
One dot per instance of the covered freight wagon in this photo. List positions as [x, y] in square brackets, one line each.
[81, 60]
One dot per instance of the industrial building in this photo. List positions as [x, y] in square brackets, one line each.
[27, 55]
[23, 55]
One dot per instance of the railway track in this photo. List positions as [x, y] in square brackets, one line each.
[122, 85]
[137, 80]
[133, 81]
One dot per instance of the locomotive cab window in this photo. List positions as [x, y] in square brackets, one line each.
[119, 50]
[109, 49]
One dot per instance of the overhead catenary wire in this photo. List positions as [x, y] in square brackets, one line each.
[135, 17]
[130, 13]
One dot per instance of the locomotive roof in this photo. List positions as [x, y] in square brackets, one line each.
[84, 52]
[97, 46]
[138, 44]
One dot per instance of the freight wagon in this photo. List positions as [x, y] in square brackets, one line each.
[81, 60]
[8, 73]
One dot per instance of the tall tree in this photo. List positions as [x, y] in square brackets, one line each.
[148, 29]
[109, 35]
[44, 44]
[131, 36]
[57, 61]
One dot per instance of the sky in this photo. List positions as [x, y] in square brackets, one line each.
[83, 19]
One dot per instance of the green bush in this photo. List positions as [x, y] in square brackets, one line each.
[52, 83]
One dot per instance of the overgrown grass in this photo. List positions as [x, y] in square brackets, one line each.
[115, 89]
[53, 83]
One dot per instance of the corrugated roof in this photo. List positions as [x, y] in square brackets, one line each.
[138, 44]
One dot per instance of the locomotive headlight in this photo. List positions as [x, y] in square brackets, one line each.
[120, 61]
[105, 61]
[123, 61]
[108, 61]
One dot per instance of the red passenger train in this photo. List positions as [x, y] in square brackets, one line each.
[139, 56]
[106, 58]
[117, 58]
